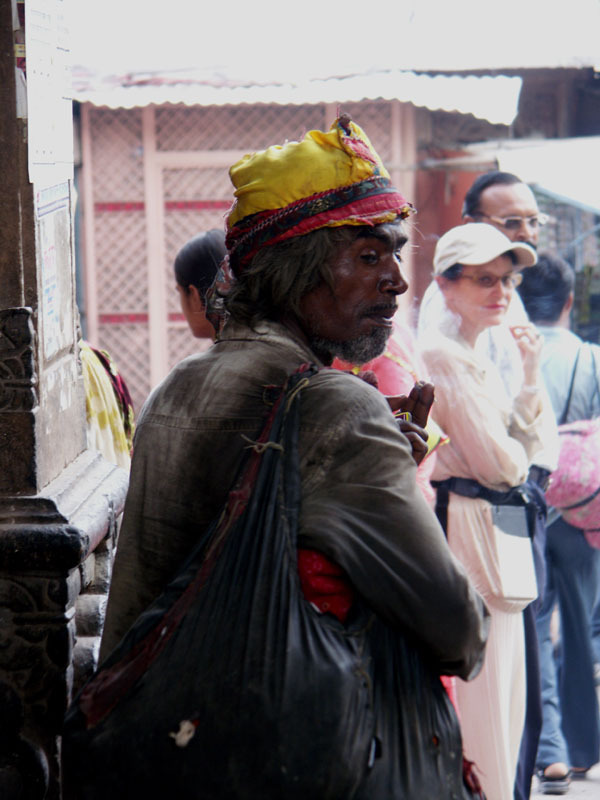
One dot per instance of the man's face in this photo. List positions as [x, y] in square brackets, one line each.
[512, 209]
[352, 319]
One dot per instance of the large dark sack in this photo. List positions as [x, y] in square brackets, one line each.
[232, 686]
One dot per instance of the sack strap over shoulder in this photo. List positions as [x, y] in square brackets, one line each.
[565, 413]
[124, 667]
[581, 503]
[595, 368]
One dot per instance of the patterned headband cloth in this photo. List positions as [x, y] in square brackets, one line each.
[326, 180]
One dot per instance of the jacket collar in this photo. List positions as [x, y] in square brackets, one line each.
[274, 333]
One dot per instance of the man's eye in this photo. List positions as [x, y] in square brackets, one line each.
[398, 255]
[512, 223]
[370, 257]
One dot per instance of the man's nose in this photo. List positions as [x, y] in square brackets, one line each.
[527, 232]
[392, 281]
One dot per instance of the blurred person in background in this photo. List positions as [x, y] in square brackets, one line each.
[570, 738]
[493, 437]
[503, 200]
[108, 406]
[394, 373]
[195, 267]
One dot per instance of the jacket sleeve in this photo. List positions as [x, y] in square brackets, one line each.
[361, 506]
[480, 422]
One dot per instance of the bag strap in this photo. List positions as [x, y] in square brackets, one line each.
[530, 499]
[595, 368]
[467, 487]
[442, 498]
[565, 413]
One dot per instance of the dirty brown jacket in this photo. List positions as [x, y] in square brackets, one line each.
[360, 502]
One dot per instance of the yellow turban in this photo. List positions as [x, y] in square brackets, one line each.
[326, 180]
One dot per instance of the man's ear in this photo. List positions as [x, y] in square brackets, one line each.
[194, 299]
[569, 302]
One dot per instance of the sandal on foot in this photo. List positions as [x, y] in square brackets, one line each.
[579, 773]
[558, 785]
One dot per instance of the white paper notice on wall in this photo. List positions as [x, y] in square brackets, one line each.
[54, 225]
[49, 94]
[49, 285]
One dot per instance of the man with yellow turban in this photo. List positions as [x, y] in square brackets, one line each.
[314, 238]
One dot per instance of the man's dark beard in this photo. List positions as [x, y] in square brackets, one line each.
[354, 351]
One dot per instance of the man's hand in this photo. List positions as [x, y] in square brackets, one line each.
[417, 404]
[417, 437]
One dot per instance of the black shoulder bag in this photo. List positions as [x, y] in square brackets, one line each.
[231, 686]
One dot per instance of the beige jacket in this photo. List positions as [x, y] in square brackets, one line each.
[493, 440]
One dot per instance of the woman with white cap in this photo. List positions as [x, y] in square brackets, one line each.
[479, 474]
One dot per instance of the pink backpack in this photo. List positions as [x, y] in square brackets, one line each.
[574, 488]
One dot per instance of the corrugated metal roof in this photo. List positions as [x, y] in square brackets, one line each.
[494, 98]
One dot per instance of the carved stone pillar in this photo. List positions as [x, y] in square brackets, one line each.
[59, 503]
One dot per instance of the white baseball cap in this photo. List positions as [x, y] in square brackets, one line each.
[477, 243]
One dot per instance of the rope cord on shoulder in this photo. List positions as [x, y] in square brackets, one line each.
[260, 447]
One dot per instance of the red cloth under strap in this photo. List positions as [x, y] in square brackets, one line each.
[324, 584]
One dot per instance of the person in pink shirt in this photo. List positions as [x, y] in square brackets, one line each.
[396, 371]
